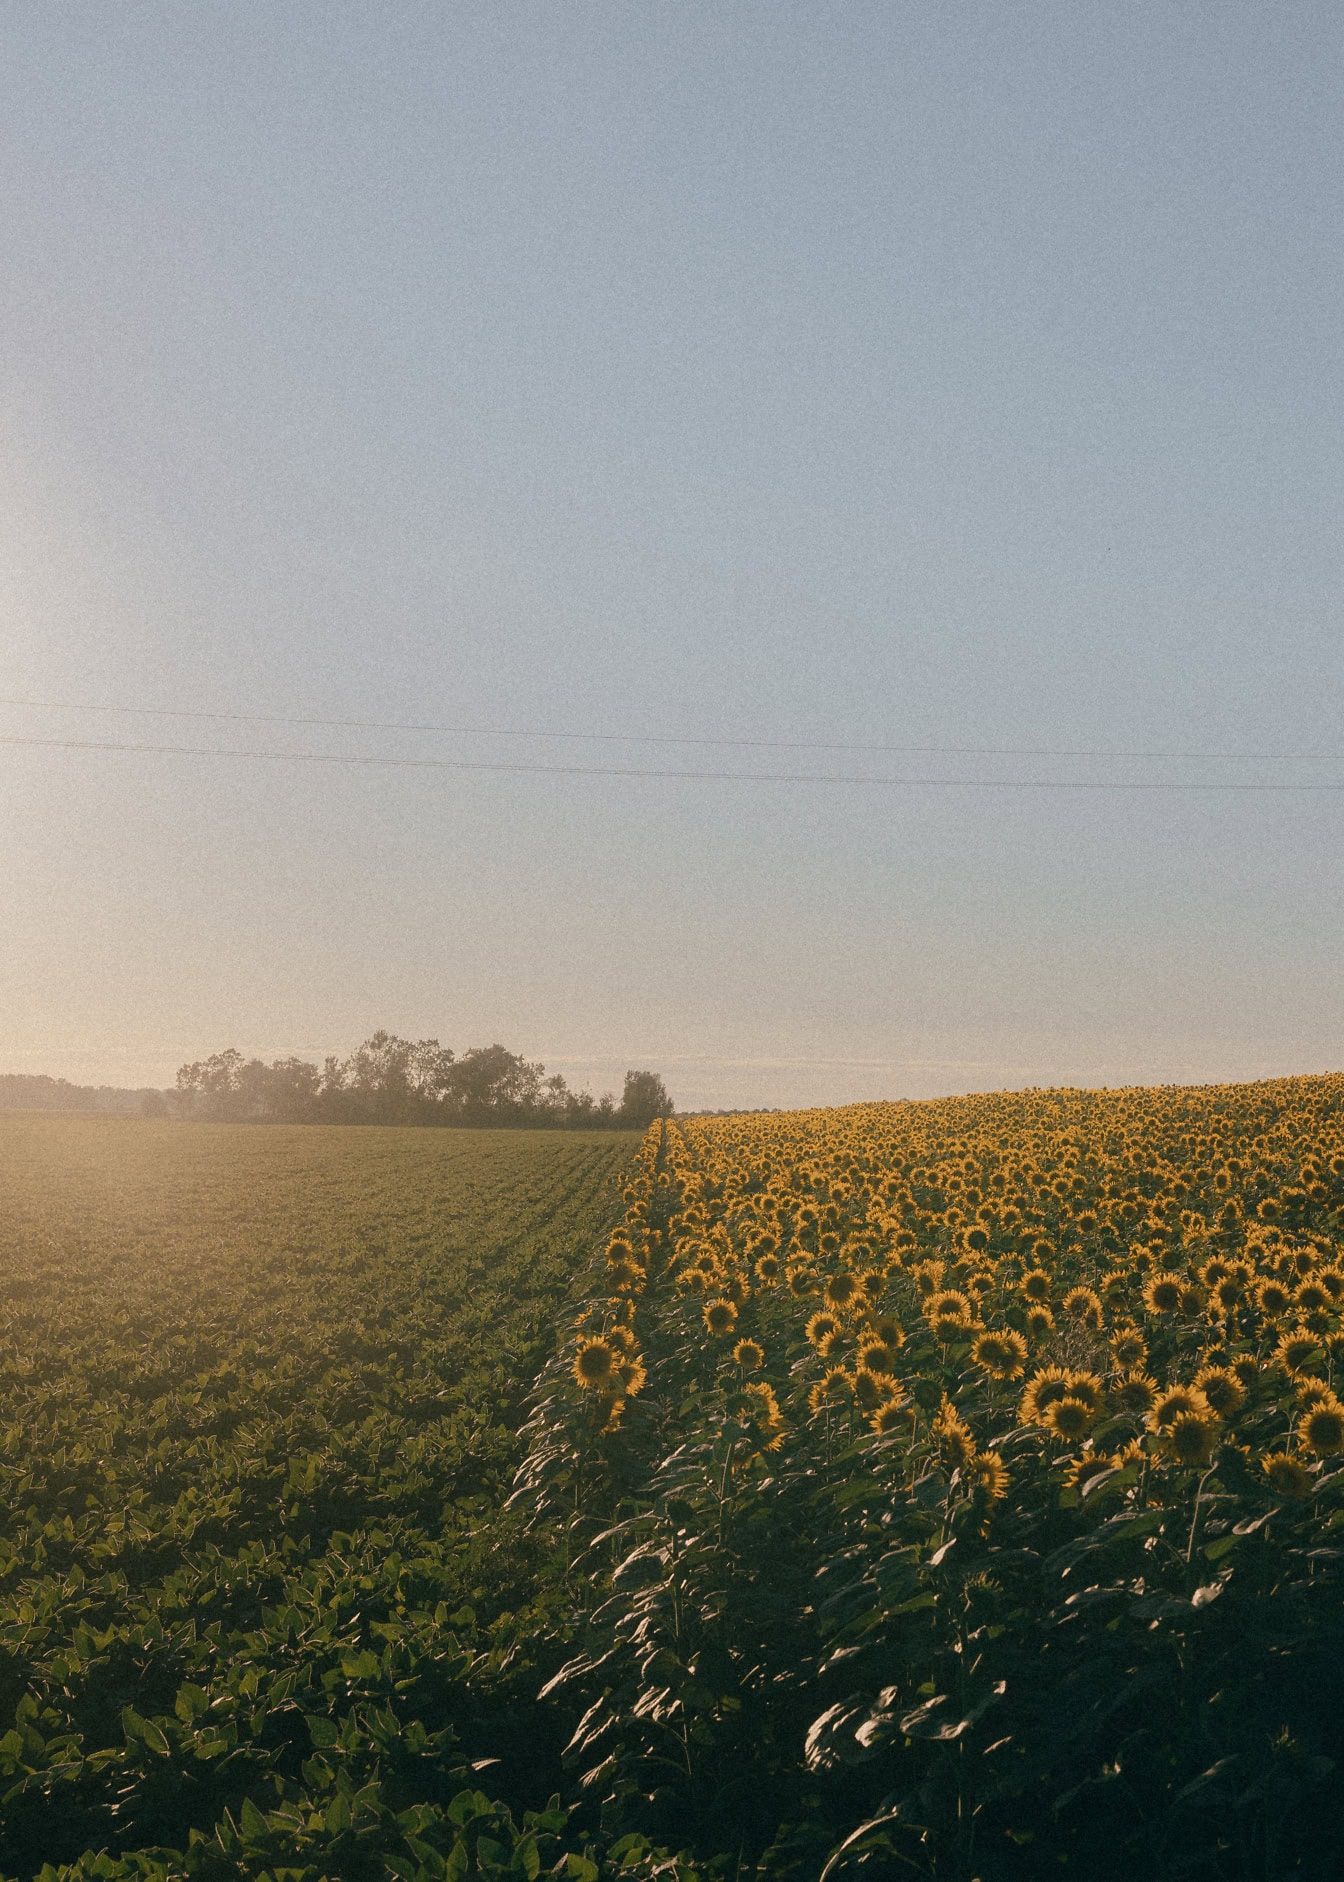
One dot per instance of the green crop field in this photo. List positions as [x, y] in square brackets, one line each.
[949, 1489]
[258, 1390]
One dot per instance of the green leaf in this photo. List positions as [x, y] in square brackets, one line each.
[250, 1820]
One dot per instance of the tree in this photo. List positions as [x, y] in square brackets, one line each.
[644, 1098]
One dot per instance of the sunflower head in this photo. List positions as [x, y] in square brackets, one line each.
[1297, 1350]
[1003, 1355]
[767, 1270]
[890, 1416]
[1068, 1418]
[595, 1364]
[989, 1475]
[870, 1389]
[1288, 1475]
[1129, 1348]
[876, 1357]
[1310, 1296]
[1042, 1389]
[821, 1329]
[1040, 1324]
[749, 1354]
[886, 1328]
[949, 1312]
[1178, 1401]
[1162, 1294]
[1035, 1285]
[1273, 1298]
[954, 1435]
[633, 1376]
[1222, 1388]
[1192, 1440]
[1083, 1305]
[834, 1388]
[841, 1291]
[1087, 1387]
[720, 1317]
[1322, 1428]
[1134, 1394]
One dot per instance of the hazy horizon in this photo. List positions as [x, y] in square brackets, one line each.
[593, 377]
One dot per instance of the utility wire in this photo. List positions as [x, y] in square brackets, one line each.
[656, 738]
[621, 771]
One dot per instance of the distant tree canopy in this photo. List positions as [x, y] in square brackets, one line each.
[389, 1080]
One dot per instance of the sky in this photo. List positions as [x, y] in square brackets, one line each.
[582, 376]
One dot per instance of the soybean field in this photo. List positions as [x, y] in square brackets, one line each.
[259, 1603]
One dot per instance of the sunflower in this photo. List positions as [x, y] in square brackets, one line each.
[1310, 1296]
[1134, 1394]
[834, 1388]
[949, 1313]
[634, 1376]
[1129, 1348]
[749, 1354]
[1297, 1349]
[989, 1475]
[1222, 1388]
[1068, 1417]
[876, 1356]
[720, 1317]
[841, 1291]
[1288, 1475]
[802, 1282]
[976, 1237]
[596, 1363]
[1043, 1388]
[1087, 1387]
[1178, 1401]
[887, 1329]
[890, 1416]
[821, 1329]
[1035, 1286]
[1003, 1355]
[954, 1434]
[927, 1275]
[870, 1389]
[1083, 1305]
[1192, 1440]
[1162, 1294]
[1273, 1298]
[1322, 1428]
[760, 1404]
[1227, 1295]
[767, 1270]
[1040, 1324]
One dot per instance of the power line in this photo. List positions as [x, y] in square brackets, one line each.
[658, 738]
[623, 771]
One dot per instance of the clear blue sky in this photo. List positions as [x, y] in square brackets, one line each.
[957, 376]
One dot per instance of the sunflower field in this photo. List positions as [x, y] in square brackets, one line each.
[956, 1489]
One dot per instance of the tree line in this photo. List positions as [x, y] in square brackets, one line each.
[389, 1080]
